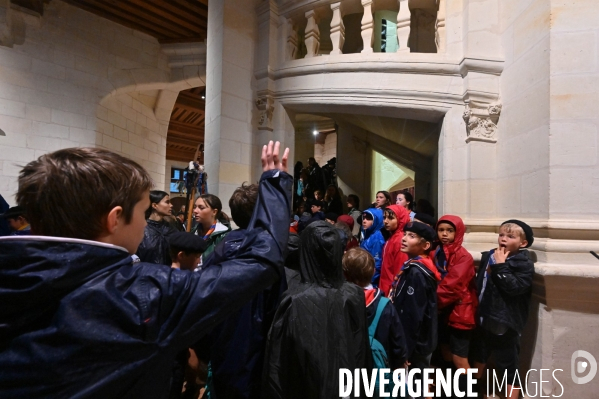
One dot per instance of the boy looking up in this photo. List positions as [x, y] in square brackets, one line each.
[78, 319]
[414, 294]
[504, 286]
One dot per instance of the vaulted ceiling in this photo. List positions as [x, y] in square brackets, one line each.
[186, 129]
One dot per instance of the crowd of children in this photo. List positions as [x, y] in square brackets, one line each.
[445, 314]
[388, 287]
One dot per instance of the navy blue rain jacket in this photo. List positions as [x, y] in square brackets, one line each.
[79, 320]
[236, 347]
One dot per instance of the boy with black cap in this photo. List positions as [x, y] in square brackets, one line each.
[185, 250]
[331, 217]
[414, 294]
[17, 221]
[504, 286]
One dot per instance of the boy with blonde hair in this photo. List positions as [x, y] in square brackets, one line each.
[504, 286]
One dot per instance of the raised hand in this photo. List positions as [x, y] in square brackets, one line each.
[270, 157]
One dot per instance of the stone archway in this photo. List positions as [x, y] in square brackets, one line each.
[133, 118]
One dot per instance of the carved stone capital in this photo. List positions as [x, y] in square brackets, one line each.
[266, 108]
[481, 121]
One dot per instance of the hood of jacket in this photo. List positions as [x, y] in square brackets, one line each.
[460, 230]
[321, 251]
[402, 215]
[36, 272]
[377, 223]
[430, 269]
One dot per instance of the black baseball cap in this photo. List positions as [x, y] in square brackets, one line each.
[13, 212]
[187, 242]
[423, 230]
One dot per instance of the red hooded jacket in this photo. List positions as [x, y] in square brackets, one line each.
[393, 258]
[456, 293]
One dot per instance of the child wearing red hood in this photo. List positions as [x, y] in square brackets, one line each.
[395, 219]
[456, 293]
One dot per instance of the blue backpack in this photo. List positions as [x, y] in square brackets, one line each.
[379, 354]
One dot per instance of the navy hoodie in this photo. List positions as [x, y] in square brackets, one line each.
[79, 320]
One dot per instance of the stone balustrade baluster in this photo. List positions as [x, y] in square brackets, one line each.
[337, 29]
[367, 26]
[312, 38]
[440, 32]
[291, 47]
[403, 26]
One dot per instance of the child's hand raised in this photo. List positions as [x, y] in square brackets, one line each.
[501, 254]
[270, 157]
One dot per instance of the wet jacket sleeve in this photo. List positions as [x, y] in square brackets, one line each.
[377, 252]
[412, 308]
[192, 304]
[398, 352]
[514, 277]
[455, 283]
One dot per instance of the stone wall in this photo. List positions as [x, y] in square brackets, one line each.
[229, 143]
[574, 117]
[75, 79]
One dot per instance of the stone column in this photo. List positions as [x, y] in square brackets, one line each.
[367, 26]
[312, 38]
[230, 98]
[440, 37]
[337, 29]
[403, 26]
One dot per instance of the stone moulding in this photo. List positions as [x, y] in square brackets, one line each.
[185, 54]
[481, 121]
[388, 63]
[265, 105]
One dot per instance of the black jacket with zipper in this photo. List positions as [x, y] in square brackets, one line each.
[507, 294]
[416, 302]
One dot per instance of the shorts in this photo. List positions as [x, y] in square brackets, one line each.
[458, 340]
[505, 348]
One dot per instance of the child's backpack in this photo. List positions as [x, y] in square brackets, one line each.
[379, 354]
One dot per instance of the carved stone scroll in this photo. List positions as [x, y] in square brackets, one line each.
[265, 105]
[481, 121]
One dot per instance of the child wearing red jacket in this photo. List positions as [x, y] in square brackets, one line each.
[456, 293]
[395, 219]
